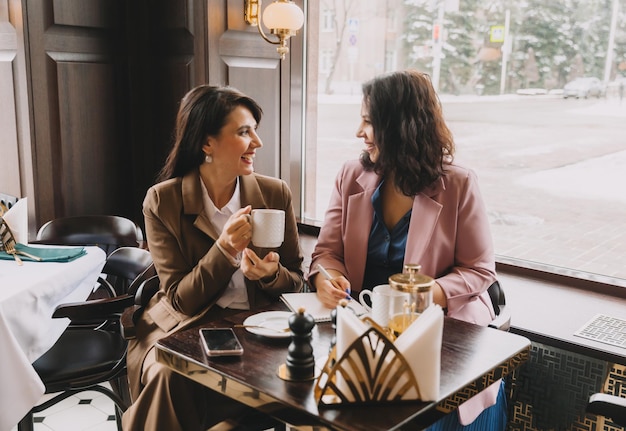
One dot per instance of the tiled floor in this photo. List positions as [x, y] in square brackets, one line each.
[87, 411]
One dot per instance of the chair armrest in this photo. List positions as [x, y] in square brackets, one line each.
[146, 290]
[127, 322]
[502, 320]
[609, 406]
[97, 309]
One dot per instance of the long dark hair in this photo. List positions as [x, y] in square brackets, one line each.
[202, 113]
[410, 133]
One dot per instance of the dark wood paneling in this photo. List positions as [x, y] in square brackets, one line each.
[91, 155]
[75, 63]
[163, 36]
[100, 89]
[81, 13]
[107, 78]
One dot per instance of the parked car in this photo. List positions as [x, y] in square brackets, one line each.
[584, 87]
[617, 87]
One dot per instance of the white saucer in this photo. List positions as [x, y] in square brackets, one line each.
[269, 319]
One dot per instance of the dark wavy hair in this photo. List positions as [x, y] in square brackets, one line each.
[202, 113]
[413, 141]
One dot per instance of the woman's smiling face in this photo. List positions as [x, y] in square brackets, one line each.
[233, 149]
[366, 131]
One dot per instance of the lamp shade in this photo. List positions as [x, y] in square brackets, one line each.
[283, 15]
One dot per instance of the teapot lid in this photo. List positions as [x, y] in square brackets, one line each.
[411, 280]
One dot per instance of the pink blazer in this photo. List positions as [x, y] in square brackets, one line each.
[448, 235]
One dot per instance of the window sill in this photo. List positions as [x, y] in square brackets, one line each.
[548, 308]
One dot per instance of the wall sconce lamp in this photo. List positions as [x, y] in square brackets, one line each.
[282, 17]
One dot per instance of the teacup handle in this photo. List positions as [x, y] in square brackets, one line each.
[362, 295]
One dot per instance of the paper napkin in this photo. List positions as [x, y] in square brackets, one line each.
[17, 219]
[419, 344]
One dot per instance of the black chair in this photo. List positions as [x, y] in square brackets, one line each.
[6, 202]
[498, 300]
[609, 406]
[118, 274]
[108, 232]
[84, 356]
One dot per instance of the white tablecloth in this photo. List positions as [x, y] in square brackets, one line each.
[28, 296]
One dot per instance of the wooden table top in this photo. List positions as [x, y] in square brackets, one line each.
[472, 358]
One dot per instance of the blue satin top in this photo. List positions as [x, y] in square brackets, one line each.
[385, 249]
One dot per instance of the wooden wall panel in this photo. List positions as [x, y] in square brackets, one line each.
[92, 13]
[254, 67]
[163, 68]
[9, 155]
[96, 86]
[91, 160]
[78, 132]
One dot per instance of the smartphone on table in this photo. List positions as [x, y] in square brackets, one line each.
[220, 342]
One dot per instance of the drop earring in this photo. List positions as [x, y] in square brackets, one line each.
[208, 158]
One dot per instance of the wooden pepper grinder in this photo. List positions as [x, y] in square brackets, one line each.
[300, 363]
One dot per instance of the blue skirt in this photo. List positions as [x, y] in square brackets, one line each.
[493, 418]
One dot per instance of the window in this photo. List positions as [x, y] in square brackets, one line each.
[328, 20]
[326, 61]
[551, 161]
[390, 60]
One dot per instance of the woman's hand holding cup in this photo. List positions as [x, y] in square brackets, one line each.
[237, 232]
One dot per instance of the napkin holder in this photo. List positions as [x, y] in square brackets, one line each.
[6, 235]
[16, 218]
[372, 368]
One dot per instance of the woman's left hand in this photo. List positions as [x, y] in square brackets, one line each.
[255, 268]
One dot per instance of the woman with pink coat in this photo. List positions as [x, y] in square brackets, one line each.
[405, 201]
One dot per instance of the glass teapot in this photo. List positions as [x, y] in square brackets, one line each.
[420, 296]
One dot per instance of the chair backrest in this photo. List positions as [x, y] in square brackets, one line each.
[124, 269]
[109, 232]
[496, 293]
[6, 202]
[147, 290]
[498, 300]
[609, 406]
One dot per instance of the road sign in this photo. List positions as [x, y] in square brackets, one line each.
[353, 25]
[496, 34]
[436, 32]
[352, 40]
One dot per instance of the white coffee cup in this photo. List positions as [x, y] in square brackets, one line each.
[386, 302]
[268, 227]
